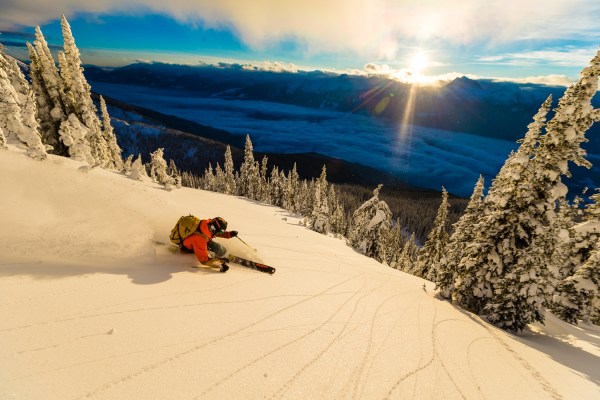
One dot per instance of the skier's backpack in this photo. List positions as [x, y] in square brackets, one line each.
[185, 227]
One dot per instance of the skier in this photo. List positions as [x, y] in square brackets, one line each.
[200, 242]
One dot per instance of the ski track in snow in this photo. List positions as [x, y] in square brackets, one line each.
[342, 332]
[538, 377]
[205, 344]
[281, 347]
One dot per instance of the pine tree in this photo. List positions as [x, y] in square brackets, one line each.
[430, 256]
[11, 115]
[115, 160]
[338, 217]
[66, 76]
[276, 188]
[30, 134]
[371, 222]
[174, 173]
[138, 170]
[74, 135]
[3, 145]
[209, 180]
[127, 164]
[503, 272]
[408, 256]
[158, 169]
[264, 181]
[15, 77]
[248, 172]
[394, 243]
[319, 218]
[561, 238]
[303, 202]
[580, 276]
[576, 296]
[507, 277]
[461, 236]
[48, 88]
[229, 178]
[292, 188]
[79, 99]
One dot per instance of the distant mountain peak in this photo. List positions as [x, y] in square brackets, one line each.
[464, 83]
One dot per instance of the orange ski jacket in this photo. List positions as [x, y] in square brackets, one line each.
[198, 241]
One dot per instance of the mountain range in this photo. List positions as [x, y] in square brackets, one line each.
[343, 116]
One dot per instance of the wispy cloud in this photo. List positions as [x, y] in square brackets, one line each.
[550, 80]
[376, 28]
[566, 57]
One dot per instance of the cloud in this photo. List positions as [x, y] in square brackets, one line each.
[17, 35]
[376, 28]
[550, 80]
[271, 66]
[565, 57]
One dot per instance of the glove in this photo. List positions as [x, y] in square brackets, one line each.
[233, 233]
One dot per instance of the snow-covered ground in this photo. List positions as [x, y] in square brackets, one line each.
[91, 307]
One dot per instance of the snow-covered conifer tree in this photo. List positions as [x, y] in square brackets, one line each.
[115, 160]
[2, 140]
[509, 279]
[503, 272]
[338, 217]
[319, 218]
[580, 277]
[138, 170]
[174, 173]
[74, 135]
[394, 242]
[30, 134]
[49, 94]
[11, 116]
[249, 174]
[461, 236]
[79, 99]
[127, 164]
[370, 224]
[229, 184]
[577, 295]
[219, 179]
[408, 257]
[291, 190]
[158, 169]
[430, 256]
[276, 189]
[561, 237]
[264, 181]
[303, 201]
[15, 76]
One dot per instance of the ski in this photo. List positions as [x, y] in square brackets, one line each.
[251, 264]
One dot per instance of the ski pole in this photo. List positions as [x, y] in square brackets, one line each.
[245, 243]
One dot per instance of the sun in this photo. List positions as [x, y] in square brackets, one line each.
[418, 62]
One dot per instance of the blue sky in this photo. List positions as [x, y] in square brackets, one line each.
[546, 41]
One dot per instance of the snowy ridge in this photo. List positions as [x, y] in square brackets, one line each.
[93, 308]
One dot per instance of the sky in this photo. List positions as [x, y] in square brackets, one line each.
[547, 41]
[99, 310]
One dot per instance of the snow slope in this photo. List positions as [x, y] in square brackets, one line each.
[91, 307]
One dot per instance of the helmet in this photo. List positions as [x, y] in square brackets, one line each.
[218, 224]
